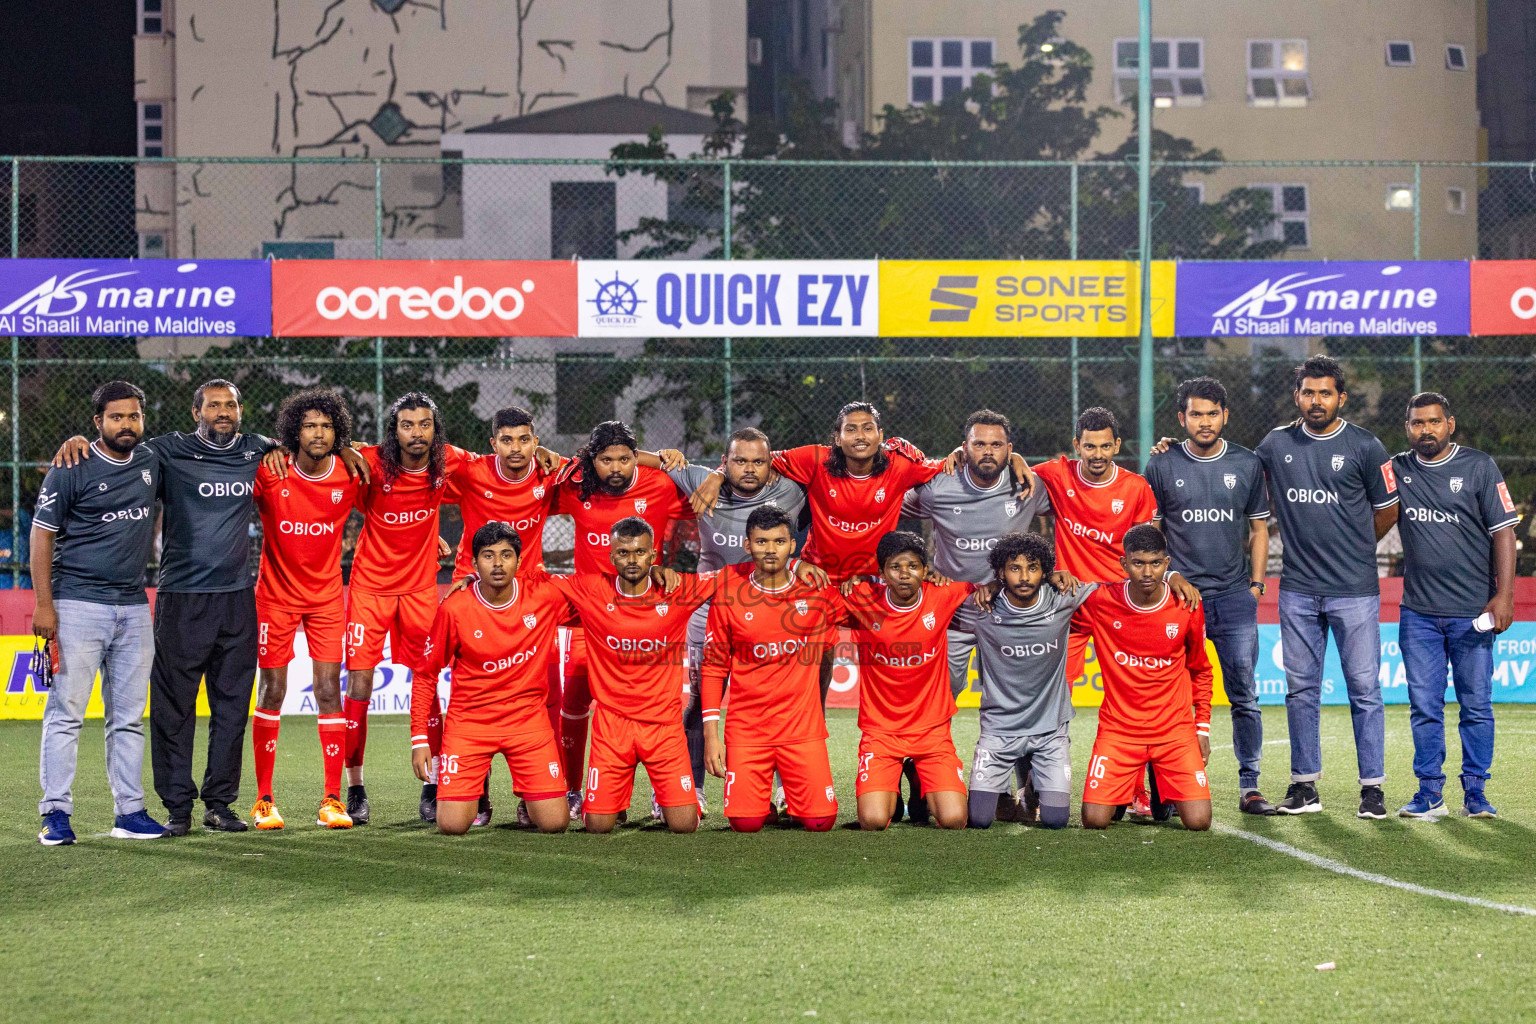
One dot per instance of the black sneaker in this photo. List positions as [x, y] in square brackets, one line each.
[1008, 809]
[219, 818]
[178, 826]
[428, 808]
[917, 805]
[1161, 811]
[357, 804]
[1254, 803]
[1373, 803]
[1031, 809]
[1301, 798]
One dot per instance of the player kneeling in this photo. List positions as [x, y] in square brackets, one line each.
[497, 635]
[766, 633]
[901, 629]
[1151, 651]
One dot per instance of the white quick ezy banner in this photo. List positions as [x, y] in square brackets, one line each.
[723, 298]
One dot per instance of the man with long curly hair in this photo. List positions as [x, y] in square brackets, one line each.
[303, 516]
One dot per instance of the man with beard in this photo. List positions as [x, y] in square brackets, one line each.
[91, 537]
[205, 605]
[1335, 496]
[1458, 591]
[1213, 509]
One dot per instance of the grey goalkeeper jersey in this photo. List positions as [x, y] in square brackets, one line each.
[1023, 652]
[968, 520]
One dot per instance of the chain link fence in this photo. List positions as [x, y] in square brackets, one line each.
[673, 390]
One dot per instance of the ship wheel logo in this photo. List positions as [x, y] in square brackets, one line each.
[616, 302]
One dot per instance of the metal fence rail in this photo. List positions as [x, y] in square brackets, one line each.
[689, 393]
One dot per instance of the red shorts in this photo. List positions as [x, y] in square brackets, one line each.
[1117, 762]
[618, 744]
[803, 767]
[276, 624]
[407, 618]
[531, 752]
[938, 766]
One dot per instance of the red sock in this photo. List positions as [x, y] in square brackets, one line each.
[819, 824]
[357, 730]
[435, 744]
[575, 715]
[552, 702]
[264, 726]
[333, 746]
[752, 824]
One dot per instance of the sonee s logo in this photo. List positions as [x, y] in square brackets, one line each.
[961, 303]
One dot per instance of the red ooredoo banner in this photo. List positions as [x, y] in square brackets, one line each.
[424, 298]
[1504, 296]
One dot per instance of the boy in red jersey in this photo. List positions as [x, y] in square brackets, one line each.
[901, 628]
[394, 574]
[601, 486]
[302, 519]
[496, 635]
[766, 632]
[1157, 689]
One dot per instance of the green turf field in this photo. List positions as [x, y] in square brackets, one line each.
[393, 922]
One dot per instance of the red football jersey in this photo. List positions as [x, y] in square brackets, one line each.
[397, 551]
[651, 495]
[484, 493]
[849, 514]
[1091, 519]
[635, 645]
[1153, 660]
[302, 521]
[498, 655]
[769, 643]
[904, 656]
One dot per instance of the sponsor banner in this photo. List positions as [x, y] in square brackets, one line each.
[1504, 297]
[424, 298]
[121, 298]
[717, 299]
[1265, 299]
[1021, 298]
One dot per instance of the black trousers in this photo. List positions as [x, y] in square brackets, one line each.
[201, 637]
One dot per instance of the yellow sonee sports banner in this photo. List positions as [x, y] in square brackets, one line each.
[1088, 692]
[1021, 298]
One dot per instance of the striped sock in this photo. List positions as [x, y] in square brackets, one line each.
[333, 746]
[264, 726]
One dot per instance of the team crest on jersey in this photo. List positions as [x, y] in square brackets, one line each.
[1337, 462]
[1011, 508]
[803, 607]
[1230, 479]
[1455, 484]
[880, 494]
[929, 620]
[530, 620]
[639, 505]
[144, 474]
[661, 609]
[538, 492]
[554, 769]
[1117, 506]
[1172, 629]
[336, 496]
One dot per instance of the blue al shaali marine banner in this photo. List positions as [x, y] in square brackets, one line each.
[1514, 668]
[124, 298]
[1282, 299]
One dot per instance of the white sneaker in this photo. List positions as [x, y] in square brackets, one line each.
[655, 809]
[573, 802]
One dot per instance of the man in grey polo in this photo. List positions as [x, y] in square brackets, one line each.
[749, 484]
[91, 538]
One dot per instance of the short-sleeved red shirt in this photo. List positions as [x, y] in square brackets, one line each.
[302, 521]
[1092, 518]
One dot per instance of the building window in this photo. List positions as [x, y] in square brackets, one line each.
[151, 17]
[152, 245]
[1455, 56]
[151, 129]
[583, 220]
[1292, 207]
[940, 68]
[586, 386]
[1456, 200]
[754, 51]
[1400, 197]
[1277, 73]
[1194, 191]
[1400, 54]
[805, 29]
[1178, 72]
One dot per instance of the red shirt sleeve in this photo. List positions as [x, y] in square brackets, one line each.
[799, 464]
[436, 654]
[1200, 675]
[718, 652]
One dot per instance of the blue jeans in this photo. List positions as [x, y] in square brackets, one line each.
[118, 641]
[1428, 643]
[1305, 622]
[1232, 625]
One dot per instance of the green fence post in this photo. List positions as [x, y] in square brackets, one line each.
[1418, 342]
[378, 254]
[15, 390]
[1072, 254]
[1144, 219]
[726, 244]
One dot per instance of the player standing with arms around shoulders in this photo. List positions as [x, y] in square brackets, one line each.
[1457, 525]
[303, 517]
[766, 634]
[1334, 496]
[1214, 510]
[1157, 689]
[497, 636]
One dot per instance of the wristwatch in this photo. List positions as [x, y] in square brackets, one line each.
[1257, 583]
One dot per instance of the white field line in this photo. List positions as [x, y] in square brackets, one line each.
[1369, 876]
